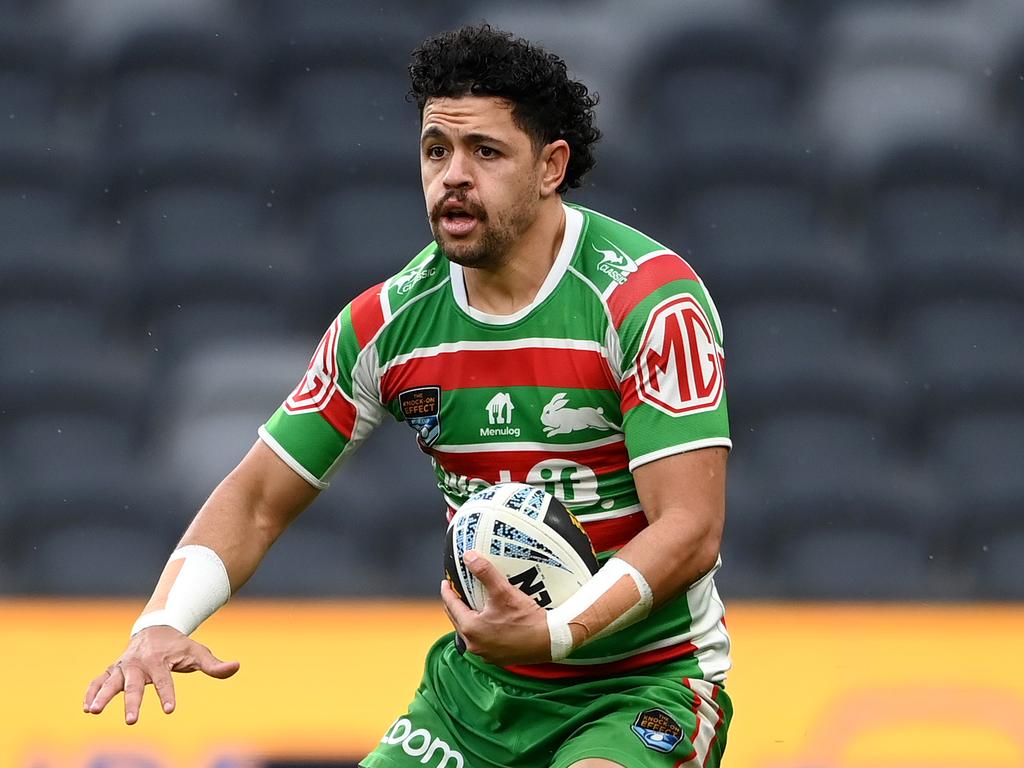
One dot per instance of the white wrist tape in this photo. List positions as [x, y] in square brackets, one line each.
[193, 585]
[629, 600]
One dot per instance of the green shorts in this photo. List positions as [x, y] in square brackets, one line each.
[468, 714]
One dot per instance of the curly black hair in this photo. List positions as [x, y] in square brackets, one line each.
[546, 104]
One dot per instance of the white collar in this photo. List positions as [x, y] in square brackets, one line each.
[570, 239]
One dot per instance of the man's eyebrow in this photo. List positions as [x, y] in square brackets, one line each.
[483, 138]
[435, 132]
[432, 132]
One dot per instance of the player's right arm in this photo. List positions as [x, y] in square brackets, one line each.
[331, 411]
[218, 553]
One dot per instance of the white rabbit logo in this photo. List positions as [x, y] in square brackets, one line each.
[559, 420]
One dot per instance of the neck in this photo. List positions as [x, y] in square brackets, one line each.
[505, 289]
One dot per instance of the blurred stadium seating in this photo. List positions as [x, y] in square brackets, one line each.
[189, 194]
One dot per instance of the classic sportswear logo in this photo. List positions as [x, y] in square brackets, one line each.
[406, 281]
[499, 412]
[616, 264]
[423, 744]
[679, 365]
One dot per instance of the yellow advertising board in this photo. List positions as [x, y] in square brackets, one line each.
[892, 686]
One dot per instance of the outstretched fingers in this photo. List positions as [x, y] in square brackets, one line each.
[103, 689]
[92, 690]
[134, 687]
[164, 685]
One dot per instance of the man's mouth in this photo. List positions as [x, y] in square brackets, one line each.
[458, 223]
[456, 218]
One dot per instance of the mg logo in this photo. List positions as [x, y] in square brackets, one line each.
[679, 368]
[567, 481]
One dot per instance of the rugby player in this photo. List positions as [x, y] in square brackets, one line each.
[523, 306]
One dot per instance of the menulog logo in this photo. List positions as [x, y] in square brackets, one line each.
[679, 366]
[319, 384]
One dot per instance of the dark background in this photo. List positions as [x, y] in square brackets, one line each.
[190, 191]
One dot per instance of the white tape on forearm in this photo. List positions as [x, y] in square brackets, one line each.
[590, 593]
[200, 587]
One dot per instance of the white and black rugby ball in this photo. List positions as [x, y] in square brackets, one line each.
[528, 535]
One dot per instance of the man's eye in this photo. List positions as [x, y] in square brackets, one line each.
[487, 152]
[435, 152]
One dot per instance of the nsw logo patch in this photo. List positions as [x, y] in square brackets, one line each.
[658, 730]
[421, 408]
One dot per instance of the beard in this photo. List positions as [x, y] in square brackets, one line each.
[495, 239]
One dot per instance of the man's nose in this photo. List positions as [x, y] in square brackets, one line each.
[457, 174]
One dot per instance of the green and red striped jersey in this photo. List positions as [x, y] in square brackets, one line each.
[617, 362]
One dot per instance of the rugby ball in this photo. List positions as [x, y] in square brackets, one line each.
[528, 535]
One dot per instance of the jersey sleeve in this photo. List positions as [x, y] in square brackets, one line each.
[336, 403]
[673, 363]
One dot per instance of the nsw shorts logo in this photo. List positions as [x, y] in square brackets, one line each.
[421, 408]
[658, 730]
[679, 366]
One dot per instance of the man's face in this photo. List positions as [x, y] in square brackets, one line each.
[481, 178]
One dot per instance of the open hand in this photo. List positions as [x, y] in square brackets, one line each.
[151, 656]
[511, 629]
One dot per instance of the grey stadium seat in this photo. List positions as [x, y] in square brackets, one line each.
[89, 558]
[68, 447]
[349, 125]
[342, 33]
[938, 216]
[999, 565]
[783, 355]
[178, 326]
[961, 355]
[198, 453]
[316, 561]
[364, 233]
[855, 565]
[978, 456]
[250, 374]
[829, 475]
[754, 220]
[204, 242]
[705, 82]
[858, 113]
[165, 110]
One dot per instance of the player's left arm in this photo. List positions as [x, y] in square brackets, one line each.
[683, 496]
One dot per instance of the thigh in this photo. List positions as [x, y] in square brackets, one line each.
[463, 716]
[417, 738]
[664, 724]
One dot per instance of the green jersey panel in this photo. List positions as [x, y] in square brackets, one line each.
[616, 362]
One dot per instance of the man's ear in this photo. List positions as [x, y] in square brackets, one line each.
[555, 162]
